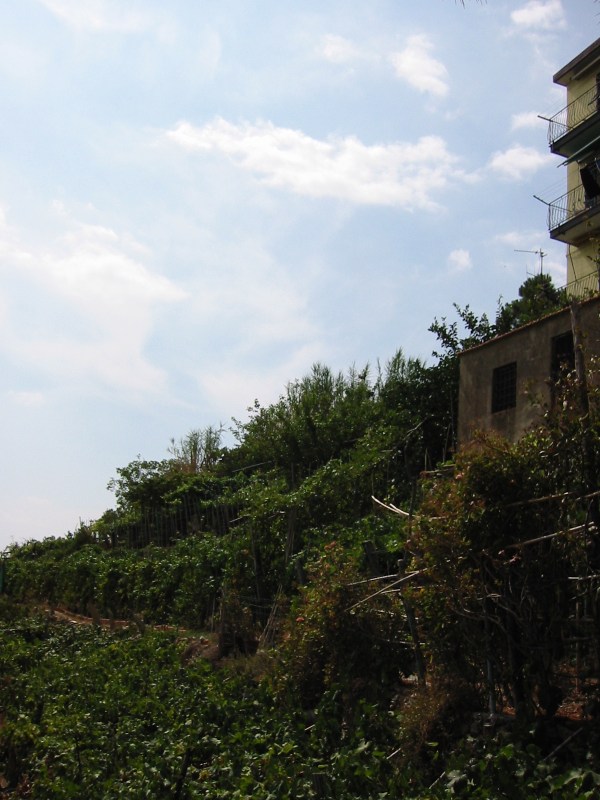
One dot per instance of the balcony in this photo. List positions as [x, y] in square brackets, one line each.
[583, 288]
[574, 217]
[576, 126]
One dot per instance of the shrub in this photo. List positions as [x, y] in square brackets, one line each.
[332, 639]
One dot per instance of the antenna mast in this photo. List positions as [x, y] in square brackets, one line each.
[539, 253]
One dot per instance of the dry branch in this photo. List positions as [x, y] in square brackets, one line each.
[391, 507]
[404, 579]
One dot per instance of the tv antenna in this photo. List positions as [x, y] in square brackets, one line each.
[539, 253]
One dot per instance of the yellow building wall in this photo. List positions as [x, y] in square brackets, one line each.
[580, 85]
[582, 259]
[582, 265]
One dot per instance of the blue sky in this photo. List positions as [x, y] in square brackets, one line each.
[200, 200]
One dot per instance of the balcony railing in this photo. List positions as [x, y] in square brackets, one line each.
[569, 206]
[585, 106]
[582, 288]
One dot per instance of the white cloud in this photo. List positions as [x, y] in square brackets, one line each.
[8, 236]
[526, 119]
[546, 15]
[400, 174]
[27, 399]
[228, 385]
[264, 304]
[518, 162]
[419, 68]
[96, 306]
[264, 319]
[98, 15]
[97, 270]
[22, 64]
[460, 260]
[339, 50]
[526, 240]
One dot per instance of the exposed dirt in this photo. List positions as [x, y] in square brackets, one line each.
[196, 646]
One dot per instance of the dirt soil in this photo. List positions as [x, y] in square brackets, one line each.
[203, 645]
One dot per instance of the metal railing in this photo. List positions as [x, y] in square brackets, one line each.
[569, 206]
[582, 108]
[588, 286]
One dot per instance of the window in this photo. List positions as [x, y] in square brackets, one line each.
[504, 387]
[590, 179]
[562, 357]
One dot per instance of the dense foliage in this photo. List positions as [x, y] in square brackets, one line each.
[385, 623]
[87, 713]
[537, 296]
[98, 714]
[245, 520]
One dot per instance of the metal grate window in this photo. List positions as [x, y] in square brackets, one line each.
[504, 387]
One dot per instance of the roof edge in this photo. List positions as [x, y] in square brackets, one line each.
[579, 64]
[595, 299]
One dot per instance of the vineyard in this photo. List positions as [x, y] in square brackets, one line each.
[329, 609]
[125, 714]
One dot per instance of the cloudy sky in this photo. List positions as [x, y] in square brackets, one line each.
[198, 200]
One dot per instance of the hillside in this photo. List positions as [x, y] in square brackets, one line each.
[383, 621]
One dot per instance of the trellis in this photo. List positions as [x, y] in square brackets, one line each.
[578, 651]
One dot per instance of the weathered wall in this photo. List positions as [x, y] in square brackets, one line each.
[531, 348]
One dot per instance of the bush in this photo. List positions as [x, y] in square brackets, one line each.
[332, 639]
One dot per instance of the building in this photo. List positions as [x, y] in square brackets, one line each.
[574, 134]
[507, 382]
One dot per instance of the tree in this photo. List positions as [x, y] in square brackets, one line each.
[140, 484]
[198, 450]
[538, 296]
[318, 418]
[444, 376]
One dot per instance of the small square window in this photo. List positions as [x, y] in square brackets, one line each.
[504, 387]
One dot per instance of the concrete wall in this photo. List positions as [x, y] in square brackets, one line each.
[531, 348]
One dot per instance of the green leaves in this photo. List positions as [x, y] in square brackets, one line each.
[177, 585]
[510, 770]
[537, 296]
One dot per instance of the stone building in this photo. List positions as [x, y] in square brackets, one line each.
[507, 382]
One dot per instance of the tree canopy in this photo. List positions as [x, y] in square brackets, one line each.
[537, 297]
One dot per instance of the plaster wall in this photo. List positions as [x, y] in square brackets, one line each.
[531, 348]
[580, 84]
[581, 261]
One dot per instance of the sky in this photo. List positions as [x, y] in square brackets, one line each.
[199, 200]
